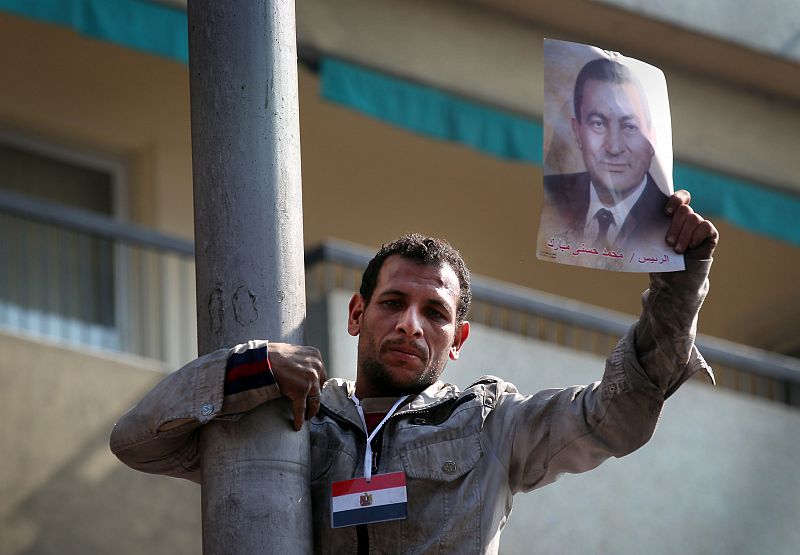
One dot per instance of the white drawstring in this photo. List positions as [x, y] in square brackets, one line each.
[368, 452]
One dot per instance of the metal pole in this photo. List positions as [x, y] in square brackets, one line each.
[249, 253]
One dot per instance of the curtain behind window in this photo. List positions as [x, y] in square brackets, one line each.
[49, 270]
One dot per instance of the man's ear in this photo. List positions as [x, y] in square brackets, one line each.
[462, 332]
[355, 311]
[575, 128]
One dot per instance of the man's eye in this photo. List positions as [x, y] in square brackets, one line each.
[597, 125]
[436, 314]
[630, 129]
[391, 302]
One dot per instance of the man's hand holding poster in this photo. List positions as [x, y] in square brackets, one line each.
[607, 161]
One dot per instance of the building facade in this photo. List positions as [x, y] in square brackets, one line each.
[415, 116]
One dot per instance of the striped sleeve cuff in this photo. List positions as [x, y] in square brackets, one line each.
[248, 378]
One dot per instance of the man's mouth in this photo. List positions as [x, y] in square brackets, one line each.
[405, 350]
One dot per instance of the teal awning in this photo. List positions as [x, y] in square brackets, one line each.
[162, 30]
[138, 24]
[431, 112]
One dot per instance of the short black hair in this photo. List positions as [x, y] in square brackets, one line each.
[609, 71]
[422, 250]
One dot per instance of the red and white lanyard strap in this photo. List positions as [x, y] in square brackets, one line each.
[368, 452]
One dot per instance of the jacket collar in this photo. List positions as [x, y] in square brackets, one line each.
[435, 394]
[337, 398]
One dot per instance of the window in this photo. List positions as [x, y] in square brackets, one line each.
[55, 280]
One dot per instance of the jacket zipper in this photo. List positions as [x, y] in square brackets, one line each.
[430, 408]
[362, 530]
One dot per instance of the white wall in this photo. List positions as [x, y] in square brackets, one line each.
[61, 489]
[768, 25]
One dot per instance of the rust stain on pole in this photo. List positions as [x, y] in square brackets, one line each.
[216, 309]
[244, 306]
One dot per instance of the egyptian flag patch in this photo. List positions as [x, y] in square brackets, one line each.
[360, 502]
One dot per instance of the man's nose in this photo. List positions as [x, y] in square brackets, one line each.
[614, 142]
[410, 322]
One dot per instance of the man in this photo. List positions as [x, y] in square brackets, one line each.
[460, 455]
[616, 200]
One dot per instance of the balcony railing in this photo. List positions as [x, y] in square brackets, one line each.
[572, 324]
[82, 278]
[75, 276]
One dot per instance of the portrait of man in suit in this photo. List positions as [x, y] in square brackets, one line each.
[615, 203]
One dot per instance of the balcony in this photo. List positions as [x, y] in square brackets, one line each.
[87, 280]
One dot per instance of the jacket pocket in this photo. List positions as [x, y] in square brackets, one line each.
[444, 496]
[443, 461]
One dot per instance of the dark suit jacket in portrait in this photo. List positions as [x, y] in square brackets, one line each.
[567, 202]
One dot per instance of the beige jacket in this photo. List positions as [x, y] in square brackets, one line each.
[465, 453]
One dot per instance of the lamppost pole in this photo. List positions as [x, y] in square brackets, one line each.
[249, 261]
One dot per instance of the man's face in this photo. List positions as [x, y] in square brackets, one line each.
[408, 330]
[613, 136]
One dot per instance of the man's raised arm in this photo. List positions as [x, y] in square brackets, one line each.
[575, 429]
[666, 330]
